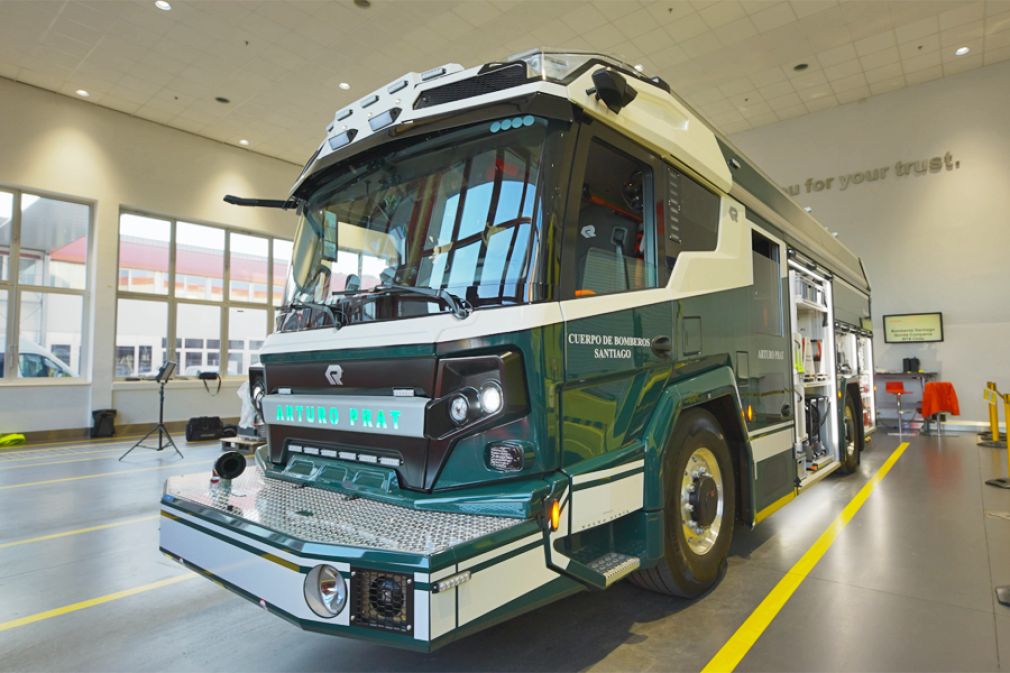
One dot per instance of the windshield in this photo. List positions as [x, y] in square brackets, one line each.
[459, 212]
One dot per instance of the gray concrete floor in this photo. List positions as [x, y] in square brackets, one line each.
[908, 586]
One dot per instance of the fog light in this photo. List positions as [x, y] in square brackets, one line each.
[491, 398]
[325, 591]
[459, 409]
[505, 457]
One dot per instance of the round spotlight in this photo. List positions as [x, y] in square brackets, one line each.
[344, 85]
[163, 5]
[222, 100]
[459, 409]
[325, 591]
[82, 93]
[961, 51]
[363, 4]
[491, 398]
[243, 142]
[799, 67]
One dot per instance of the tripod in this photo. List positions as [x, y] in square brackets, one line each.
[159, 428]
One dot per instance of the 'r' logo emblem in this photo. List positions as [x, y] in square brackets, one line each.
[588, 231]
[333, 374]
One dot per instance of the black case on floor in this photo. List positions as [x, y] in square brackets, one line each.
[204, 427]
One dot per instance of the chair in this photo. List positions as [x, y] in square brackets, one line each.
[897, 388]
[939, 398]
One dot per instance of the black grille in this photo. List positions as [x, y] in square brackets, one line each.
[493, 80]
[382, 600]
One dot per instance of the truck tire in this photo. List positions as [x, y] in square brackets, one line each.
[700, 509]
[852, 440]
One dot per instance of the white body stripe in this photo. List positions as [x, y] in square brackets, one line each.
[270, 581]
[771, 444]
[598, 505]
[503, 582]
[609, 472]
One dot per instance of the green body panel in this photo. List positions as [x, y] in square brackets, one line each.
[613, 380]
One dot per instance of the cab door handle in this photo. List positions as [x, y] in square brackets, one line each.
[662, 346]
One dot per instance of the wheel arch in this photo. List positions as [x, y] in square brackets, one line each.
[714, 391]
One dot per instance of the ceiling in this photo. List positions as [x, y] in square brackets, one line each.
[280, 63]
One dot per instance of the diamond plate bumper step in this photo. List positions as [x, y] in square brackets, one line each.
[317, 516]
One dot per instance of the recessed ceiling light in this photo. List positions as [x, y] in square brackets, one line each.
[163, 5]
[243, 142]
[82, 93]
[961, 51]
[800, 66]
[222, 99]
[639, 67]
[344, 85]
[364, 4]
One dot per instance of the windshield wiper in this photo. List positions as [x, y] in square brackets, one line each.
[460, 307]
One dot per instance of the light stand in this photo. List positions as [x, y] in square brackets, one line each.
[164, 374]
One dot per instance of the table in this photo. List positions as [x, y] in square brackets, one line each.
[887, 403]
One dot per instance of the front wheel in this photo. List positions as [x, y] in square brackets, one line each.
[700, 509]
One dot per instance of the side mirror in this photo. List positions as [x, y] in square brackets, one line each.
[230, 465]
[612, 89]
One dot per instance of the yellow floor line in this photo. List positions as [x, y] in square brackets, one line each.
[100, 474]
[42, 455]
[92, 602]
[736, 648]
[69, 443]
[79, 531]
[27, 464]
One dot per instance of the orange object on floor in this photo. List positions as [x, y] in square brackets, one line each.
[940, 397]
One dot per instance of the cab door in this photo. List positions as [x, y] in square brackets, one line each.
[617, 336]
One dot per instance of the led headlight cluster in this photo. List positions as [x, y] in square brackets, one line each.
[325, 591]
[471, 404]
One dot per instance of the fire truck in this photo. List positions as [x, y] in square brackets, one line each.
[544, 329]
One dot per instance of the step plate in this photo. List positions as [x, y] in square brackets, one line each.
[614, 566]
[316, 515]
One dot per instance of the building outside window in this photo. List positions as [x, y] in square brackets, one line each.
[43, 285]
[198, 294]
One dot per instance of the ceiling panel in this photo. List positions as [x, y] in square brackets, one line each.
[280, 63]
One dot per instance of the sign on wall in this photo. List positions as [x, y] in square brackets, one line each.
[913, 328]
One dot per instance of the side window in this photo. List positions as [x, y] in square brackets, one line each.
[616, 237]
[766, 304]
[692, 220]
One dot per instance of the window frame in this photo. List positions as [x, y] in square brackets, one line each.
[15, 289]
[224, 305]
[588, 134]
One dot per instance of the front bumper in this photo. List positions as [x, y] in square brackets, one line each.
[260, 537]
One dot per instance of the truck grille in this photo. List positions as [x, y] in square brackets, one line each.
[382, 600]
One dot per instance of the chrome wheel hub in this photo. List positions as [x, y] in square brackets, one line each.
[702, 501]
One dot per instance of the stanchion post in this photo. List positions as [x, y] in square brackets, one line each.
[990, 394]
[1003, 482]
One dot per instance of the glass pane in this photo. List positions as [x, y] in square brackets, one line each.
[282, 258]
[54, 242]
[615, 248]
[248, 268]
[49, 344]
[195, 325]
[3, 330]
[6, 224]
[143, 253]
[246, 329]
[141, 327]
[199, 261]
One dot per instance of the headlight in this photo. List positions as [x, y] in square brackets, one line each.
[459, 409]
[491, 398]
[325, 591]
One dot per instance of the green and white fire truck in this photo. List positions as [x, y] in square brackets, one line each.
[544, 329]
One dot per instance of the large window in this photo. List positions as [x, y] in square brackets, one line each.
[197, 294]
[616, 239]
[43, 285]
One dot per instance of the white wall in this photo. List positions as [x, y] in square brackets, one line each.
[938, 241]
[56, 144]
